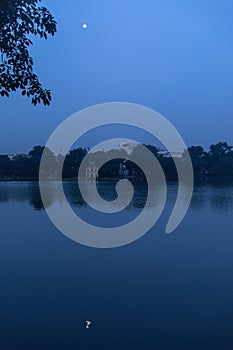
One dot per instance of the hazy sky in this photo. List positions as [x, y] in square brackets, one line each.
[175, 56]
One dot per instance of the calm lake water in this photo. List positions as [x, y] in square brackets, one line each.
[161, 292]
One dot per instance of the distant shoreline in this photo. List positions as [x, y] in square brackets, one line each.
[213, 165]
[197, 180]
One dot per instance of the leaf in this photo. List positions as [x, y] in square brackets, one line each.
[17, 22]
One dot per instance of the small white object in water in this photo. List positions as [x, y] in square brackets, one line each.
[84, 25]
[88, 323]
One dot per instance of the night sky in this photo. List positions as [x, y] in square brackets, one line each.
[175, 56]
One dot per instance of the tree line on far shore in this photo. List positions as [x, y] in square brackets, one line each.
[216, 163]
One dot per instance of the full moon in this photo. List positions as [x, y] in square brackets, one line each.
[84, 25]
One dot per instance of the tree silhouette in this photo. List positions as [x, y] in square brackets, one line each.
[35, 156]
[19, 19]
[5, 166]
[73, 161]
[220, 160]
[215, 164]
[197, 156]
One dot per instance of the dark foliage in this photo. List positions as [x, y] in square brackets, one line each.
[217, 163]
[19, 20]
[72, 162]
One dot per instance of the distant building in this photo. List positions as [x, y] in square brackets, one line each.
[127, 146]
[91, 171]
[123, 171]
[168, 154]
[11, 156]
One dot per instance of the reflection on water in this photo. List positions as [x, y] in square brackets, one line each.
[218, 197]
[161, 292]
[222, 199]
[29, 192]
